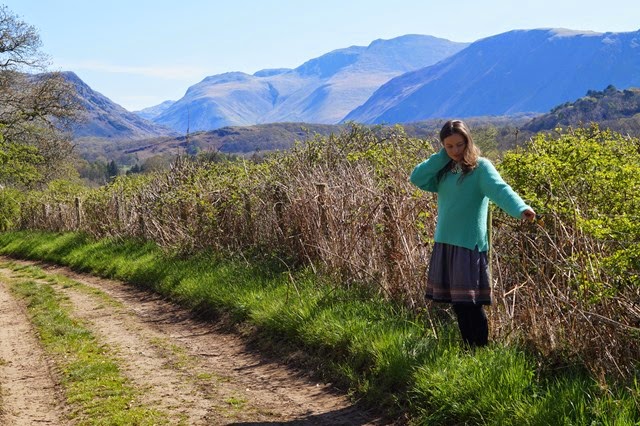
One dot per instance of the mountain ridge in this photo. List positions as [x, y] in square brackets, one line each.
[513, 72]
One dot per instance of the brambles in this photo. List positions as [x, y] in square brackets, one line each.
[342, 203]
[578, 282]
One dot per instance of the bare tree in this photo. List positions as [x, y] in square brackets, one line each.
[19, 44]
[36, 107]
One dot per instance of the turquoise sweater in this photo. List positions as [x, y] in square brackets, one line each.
[463, 205]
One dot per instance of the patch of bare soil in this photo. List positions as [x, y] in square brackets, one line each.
[196, 371]
[29, 392]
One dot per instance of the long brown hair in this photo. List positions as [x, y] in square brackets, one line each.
[471, 153]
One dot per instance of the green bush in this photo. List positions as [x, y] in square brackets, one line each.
[589, 178]
[10, 212]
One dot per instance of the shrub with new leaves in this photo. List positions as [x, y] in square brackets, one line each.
[590, 177]
[574, 279]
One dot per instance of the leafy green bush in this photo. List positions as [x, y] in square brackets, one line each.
[10, 212]
[569, 283]
[589, 177]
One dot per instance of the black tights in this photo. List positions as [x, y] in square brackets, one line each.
[473, 324]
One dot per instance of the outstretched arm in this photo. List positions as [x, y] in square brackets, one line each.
[498, 191]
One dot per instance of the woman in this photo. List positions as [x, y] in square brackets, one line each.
[464, 182]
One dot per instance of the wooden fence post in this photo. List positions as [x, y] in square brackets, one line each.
[45, 215]
[61, 224]
[279, 210]
[390, 245]
[248, 218]
[141, 224]
[78, 214]
[116, 203]
[322, 208]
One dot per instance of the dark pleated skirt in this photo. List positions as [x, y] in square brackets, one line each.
[458, 275]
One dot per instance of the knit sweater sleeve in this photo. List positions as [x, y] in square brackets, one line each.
[424, 175]
[498, 191]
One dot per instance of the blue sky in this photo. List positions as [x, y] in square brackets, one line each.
[139, 53]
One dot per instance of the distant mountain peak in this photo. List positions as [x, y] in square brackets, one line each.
[152, 112]
[564, 32]
[330, 63]
[227, 76]
[106, 119]
[405, 38]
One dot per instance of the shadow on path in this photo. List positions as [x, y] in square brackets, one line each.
[349, 416]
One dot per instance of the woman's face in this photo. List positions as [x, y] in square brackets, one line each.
[455, 145]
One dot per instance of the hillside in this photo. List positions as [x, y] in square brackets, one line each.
[517, 71]
[104, 118]
[611, 108]
[233, 140]
[262, 138]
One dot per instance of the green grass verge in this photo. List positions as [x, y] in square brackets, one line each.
[384, 354]
[96, 391]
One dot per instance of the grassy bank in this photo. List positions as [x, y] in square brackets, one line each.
[385, 355]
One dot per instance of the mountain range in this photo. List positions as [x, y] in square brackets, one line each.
[322, 90]
[520, 71]
[618, 110]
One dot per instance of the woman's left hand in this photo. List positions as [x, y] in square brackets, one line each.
[529, 215]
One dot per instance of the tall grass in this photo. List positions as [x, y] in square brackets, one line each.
[387, 355]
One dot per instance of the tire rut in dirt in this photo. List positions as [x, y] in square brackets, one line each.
[29, 391]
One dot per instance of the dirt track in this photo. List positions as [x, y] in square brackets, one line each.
[192, 370]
